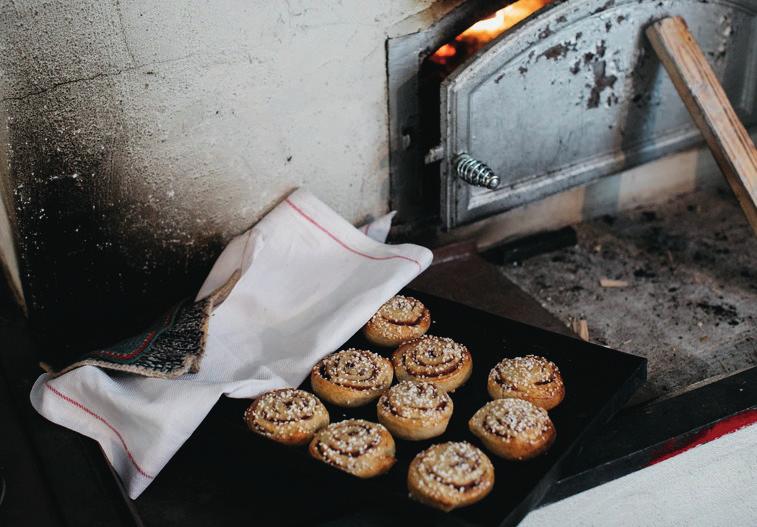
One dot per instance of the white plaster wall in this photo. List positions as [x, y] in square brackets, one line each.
[223, 105]
[148, 133]
[8, 258]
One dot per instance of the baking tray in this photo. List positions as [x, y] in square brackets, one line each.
[225, 475]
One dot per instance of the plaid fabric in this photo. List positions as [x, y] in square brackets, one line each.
[171, 347]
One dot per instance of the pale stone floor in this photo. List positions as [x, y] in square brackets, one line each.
[712, 485]
[690, 306]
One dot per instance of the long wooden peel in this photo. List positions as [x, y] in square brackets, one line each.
[708, 104]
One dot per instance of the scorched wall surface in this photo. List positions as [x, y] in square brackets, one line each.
[142, 135]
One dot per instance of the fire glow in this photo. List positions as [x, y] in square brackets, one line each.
[486, 30]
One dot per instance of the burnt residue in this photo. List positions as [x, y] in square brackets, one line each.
[545, 32]
[725, 34]
[556, 51]
[559, 50]
[607, 5]
[643, 73]
[649, 215]
[96, 265]
[676, 310]
[602, 81]
[644, 272]
[723, 311]
[100, 252]
[601, 48]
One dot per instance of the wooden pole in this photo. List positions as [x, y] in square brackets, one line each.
[708, 105]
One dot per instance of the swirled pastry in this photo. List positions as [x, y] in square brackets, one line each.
[415, 410]
[355, 446]
[531, 378]
[400, 319]
[351, 377]
[513, 428]
[438, 360]
[288, 416]
[450, 475]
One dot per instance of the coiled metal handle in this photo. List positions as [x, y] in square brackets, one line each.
[475, 172]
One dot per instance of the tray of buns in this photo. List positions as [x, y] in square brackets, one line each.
[434, 414]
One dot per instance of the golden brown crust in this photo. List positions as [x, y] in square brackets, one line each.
[351, 377]
[513, 428]
[400, 319]
[355, 446]
[450, 475]
[288, 416]
[415, 410]
[438, 360]
[532, 378]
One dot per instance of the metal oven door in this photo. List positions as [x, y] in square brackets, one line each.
[576, 93]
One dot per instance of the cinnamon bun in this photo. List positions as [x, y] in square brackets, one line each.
[351, 377]
[355, 446]
[287, 416]
[415, 410]
[532, 378]
[513, 428]
[450, 475]
[438, 360]
[400, 319]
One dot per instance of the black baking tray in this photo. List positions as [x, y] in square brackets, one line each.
[225, 475]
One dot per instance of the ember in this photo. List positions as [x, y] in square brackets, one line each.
[486, 30]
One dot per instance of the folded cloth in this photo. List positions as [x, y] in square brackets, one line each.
[172, 346]
[307, 281]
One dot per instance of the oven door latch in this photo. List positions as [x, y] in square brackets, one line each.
[467, 168]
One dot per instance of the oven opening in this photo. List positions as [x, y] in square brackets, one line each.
[453, 53]
[438, 62]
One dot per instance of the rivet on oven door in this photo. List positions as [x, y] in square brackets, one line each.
[475, 172]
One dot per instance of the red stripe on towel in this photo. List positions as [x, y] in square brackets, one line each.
[139, 349]
[344, 245]
[105, 422]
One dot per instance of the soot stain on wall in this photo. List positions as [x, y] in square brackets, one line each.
[184, 125]
[99, 258]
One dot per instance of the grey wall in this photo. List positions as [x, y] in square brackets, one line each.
[141, 135]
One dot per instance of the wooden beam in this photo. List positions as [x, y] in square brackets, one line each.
[708, 104]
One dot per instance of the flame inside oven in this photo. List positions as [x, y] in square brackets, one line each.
[484, 31]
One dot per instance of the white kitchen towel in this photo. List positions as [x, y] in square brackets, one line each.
[309, 280]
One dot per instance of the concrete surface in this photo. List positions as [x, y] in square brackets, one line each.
[690, 306]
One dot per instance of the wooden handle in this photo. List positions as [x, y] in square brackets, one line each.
[708, 105]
